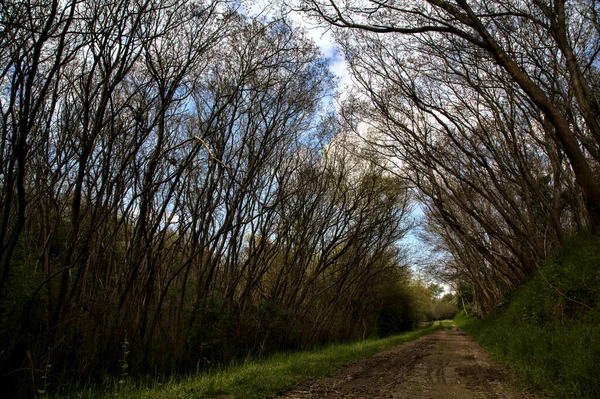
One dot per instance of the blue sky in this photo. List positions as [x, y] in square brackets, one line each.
[322, 38]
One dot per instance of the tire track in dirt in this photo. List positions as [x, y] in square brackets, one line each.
[446, 364]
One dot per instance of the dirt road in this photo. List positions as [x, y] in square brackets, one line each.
[446, 364]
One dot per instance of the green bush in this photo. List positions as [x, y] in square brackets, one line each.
[441, 310]
[399, 312]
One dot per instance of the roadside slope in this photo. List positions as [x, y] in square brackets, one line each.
[549, 330]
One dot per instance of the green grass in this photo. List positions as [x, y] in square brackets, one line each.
[549, 332]
[264, 378]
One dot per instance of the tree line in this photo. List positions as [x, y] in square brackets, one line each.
[171, 191]
[490, 109]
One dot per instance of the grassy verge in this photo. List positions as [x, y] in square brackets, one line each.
[264, 378]
[550, 331]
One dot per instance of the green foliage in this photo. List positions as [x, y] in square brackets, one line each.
[43, 392]
[210, 330]
[423, 302]
[124, 364]
[399, 312]
[549, 331]
[441, 310]
[464, 297]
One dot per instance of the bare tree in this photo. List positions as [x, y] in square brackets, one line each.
[514, 36]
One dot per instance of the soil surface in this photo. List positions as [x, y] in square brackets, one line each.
[445, 364]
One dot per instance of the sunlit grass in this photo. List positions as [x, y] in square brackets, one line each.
[263, 378]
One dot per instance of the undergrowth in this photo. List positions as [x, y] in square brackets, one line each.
[262, 378]
[549, 331]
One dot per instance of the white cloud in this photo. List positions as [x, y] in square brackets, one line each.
[338, 67]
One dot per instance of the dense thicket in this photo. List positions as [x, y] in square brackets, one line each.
[491, 109]
[170, 195]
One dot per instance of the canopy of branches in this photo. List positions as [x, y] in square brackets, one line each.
[492, 110]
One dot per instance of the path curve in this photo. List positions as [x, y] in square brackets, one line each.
[445, 364]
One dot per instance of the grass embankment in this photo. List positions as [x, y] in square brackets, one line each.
[267, 377]
[549, 332]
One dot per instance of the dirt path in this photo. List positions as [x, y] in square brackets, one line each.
[446, 364]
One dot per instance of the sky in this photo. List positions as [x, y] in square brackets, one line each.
[322, 38]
